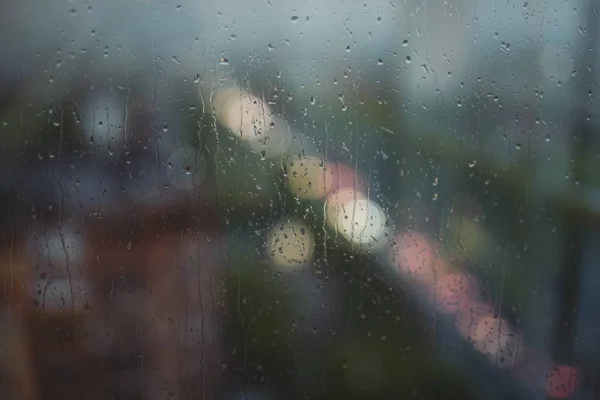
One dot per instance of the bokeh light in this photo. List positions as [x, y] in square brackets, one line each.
[563, 381]
[455, 291]
[252, 120]
[310, 177]
[467, 318]
[494, 338]
[363, 223]
[336, 200]
[290, 244]
[413, 255]
[344, 177]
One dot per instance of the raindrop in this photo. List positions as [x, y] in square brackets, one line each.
[295, 18]
[408, 60]
[380, 62]
[404, 43]
[472, 163]
[223, 61]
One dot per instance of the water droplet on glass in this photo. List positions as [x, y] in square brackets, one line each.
[408, 60]
[472, 163]
[197, 78]
[380, 62]
[295, 18]
[165, 127]
[404, 43]
[223, 61]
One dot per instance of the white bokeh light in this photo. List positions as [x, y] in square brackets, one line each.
[364, 223]
[251, 119]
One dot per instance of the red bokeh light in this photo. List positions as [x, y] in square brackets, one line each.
[563, 381]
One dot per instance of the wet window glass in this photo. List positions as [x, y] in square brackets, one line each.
[299, 199]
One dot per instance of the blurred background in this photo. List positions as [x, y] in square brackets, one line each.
[299, 200]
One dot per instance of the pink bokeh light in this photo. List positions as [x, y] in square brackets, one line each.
[414, 256]
[455, 291]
